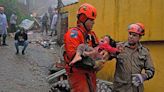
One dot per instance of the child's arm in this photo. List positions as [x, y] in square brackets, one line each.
[108, 48]
[80, 50]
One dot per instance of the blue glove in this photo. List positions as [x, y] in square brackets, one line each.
[138, 79]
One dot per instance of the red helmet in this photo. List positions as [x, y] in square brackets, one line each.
[137, 28]
[88, 10]
[141, 25]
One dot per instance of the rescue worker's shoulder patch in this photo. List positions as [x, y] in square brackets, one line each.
[73, 33]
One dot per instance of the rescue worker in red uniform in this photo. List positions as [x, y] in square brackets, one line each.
[81, 79]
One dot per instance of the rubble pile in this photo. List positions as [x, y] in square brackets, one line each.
[63, 86]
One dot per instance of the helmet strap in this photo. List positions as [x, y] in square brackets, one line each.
[83, 18]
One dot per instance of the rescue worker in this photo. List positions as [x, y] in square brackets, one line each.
[131, 62]
[3, 26]
[81, 79]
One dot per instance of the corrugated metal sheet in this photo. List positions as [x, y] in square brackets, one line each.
[68, 2]
[64, 2]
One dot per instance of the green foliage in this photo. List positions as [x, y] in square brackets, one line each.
[13, 6]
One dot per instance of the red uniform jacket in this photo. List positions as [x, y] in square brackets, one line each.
[79, 77]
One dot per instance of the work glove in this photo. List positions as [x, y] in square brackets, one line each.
[138, 79]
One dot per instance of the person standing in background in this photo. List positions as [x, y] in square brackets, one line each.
[44, 21]
[3, 27]
[54, 23]
[50, 13]
[13, 22]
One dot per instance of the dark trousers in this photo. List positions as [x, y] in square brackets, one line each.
[13, 28]
[24, 44]
[3, 38]
[44, 27]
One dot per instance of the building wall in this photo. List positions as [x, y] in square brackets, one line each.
[113, 17]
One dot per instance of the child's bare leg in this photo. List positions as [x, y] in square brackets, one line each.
[76, 58]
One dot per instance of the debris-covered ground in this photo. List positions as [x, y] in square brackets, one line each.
[26, 73]
[30, 72]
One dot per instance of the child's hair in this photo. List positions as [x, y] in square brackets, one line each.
[112, 41]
